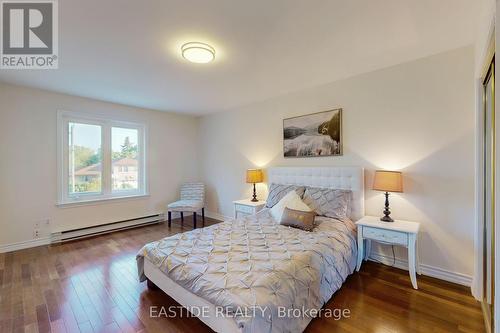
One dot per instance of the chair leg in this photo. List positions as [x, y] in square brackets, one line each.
[194, 220]
[203, 216]
[169, 219]
[182, 216]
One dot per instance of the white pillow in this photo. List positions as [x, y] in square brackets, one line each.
[293, 201]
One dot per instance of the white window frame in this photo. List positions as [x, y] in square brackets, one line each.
[107, 193]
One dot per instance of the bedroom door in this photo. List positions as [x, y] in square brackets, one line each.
[489, 196]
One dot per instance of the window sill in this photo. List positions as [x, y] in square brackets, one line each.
[91, 202]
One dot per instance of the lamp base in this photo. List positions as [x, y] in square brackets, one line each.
[254, 198]
[387, 212]
[386, 219]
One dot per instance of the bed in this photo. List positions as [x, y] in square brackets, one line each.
[245, 273]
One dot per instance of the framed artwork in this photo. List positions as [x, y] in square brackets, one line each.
[313, 135]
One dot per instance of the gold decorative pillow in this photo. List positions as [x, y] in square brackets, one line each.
[298, 219]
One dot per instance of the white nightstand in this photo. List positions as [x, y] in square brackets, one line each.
[247, 207]
[402, 233]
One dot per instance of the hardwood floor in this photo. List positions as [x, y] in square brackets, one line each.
[91, 286]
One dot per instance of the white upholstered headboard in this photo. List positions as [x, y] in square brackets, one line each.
[344, 178]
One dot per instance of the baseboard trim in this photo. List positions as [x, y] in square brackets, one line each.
[217, 216]
[435, 272]
[57, 236]
[24, 244]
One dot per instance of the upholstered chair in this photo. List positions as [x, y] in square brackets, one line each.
[192, 200]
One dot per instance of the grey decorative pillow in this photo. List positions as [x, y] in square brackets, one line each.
[298, 219]
[328, 202]
[278, 191]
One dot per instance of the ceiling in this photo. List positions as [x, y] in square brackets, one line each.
[128, 51]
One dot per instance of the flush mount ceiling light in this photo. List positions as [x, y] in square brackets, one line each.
[197, 52]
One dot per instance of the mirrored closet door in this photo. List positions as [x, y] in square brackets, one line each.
[489, 195]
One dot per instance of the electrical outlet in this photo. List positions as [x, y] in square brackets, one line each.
[41, 227]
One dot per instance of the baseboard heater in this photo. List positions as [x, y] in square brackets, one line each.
[74, 234]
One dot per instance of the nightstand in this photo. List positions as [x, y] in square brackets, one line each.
[247, 207]
[401, 233]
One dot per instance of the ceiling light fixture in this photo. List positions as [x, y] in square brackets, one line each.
[197, 52]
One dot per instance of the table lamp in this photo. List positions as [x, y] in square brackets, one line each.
[388, 181]
[254, 176]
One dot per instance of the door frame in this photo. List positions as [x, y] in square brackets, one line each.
[489, 313]
[477, 285]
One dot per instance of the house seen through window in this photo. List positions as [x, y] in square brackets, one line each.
[102, 159]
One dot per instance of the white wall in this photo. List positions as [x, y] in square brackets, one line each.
[417, 117]
[28, 177]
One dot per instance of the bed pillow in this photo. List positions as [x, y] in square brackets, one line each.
[278, 191]
[298, 219]
[329, 202]
[290, 200]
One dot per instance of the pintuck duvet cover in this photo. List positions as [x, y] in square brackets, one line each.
[254, 268]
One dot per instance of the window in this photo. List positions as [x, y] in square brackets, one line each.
[124, 143]
[99, 159]
[84, 158]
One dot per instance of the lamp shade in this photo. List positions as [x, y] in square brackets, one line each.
[388, 181]
[254, 176]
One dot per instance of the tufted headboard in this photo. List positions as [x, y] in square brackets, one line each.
[344, 178]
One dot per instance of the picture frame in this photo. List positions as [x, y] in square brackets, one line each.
[316, 134]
